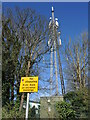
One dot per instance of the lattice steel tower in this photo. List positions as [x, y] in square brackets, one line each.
[54, 43]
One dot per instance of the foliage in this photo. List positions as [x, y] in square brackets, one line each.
[79, 102]
[65, 111]
[10, 51]
[33, 112]
[75, 105]
[11, 110]
[24, 40]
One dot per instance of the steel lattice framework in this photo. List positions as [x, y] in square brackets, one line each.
[55, 41]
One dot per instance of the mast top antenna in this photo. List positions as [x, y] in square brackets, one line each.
[52, 9]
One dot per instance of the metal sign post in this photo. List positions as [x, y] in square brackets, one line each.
[27, 106]
[29, 85]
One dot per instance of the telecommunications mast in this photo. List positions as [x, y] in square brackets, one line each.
[54, 42]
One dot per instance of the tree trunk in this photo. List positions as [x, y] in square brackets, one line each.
[84, 77]
[78, 69]
[22, 97]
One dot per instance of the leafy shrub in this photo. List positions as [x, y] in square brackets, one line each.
[75, 105]
[79, 102]
[65, 110]
[12, 110]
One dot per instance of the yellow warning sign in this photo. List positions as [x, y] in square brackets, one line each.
[29, 84]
